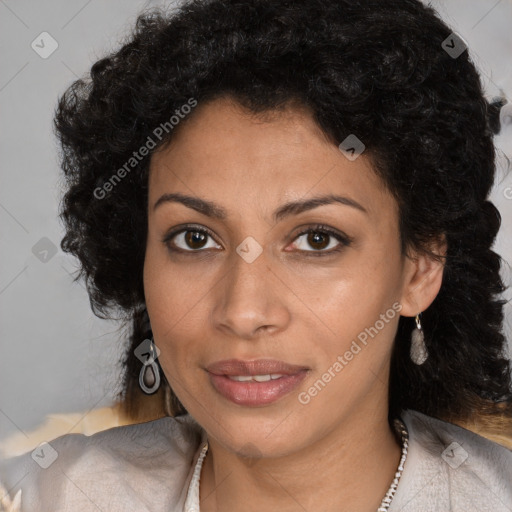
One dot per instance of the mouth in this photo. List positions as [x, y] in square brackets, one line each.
[255, 378]
[255, 383]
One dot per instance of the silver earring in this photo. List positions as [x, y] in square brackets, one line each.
[149, 376]
[419, 353]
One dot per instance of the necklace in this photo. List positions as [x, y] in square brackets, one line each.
[402, 429]
[386, 502]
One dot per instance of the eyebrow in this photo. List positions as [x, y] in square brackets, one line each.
[210, 209]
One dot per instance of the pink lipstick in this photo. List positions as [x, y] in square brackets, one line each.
[255, 383]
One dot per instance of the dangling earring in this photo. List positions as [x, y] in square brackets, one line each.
[149, 376]
[419, 353]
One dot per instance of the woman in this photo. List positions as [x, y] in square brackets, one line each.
[288, 201]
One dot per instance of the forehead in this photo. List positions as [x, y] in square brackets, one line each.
[224, 151]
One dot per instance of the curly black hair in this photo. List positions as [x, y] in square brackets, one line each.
[379, 69]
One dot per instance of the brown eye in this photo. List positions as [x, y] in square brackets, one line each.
[190, 240]
[195, 239]
[316, 239]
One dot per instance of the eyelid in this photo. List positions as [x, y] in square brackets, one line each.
[167, 238]
[343, 239]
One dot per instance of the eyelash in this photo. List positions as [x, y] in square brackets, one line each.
[344, 240]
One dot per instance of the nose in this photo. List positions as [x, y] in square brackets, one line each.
[250, 300]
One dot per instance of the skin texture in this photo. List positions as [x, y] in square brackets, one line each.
[337, 452]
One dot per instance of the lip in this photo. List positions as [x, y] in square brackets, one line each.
[254, 367]
[251, 393]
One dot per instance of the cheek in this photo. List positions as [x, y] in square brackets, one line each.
[175, 299]
[364, 285]
[360, 308]
[169, 289]
[358, 322]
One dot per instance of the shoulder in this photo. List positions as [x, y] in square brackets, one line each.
[115, 469]
[451, 468]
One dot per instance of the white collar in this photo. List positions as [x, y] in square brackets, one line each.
[192, 501]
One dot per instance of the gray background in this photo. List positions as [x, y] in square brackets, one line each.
[55, 355]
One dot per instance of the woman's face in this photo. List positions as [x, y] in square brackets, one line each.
[230, 280]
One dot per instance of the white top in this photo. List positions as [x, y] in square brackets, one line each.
[155, 466]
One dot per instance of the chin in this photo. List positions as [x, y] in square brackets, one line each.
[263, 433]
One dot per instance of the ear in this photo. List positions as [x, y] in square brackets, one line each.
[423, 276]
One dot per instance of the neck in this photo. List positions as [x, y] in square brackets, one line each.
[350, 468]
